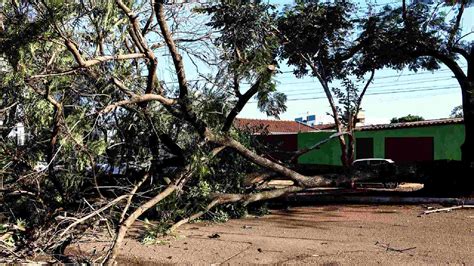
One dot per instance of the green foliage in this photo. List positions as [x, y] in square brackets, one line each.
[457, 112]
[246, 36]
[202, 190]
[152, 232]
[18, 36]
[390, 41]
[249, 48]
[270, 101]
[98, 147]
[219, 216]
[407, 118]
[314, 33]
[348, 98]
[228, 172]
[3, 228]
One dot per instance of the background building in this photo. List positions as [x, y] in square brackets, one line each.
[428, 140]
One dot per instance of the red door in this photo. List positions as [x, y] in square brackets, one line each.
[409, 149]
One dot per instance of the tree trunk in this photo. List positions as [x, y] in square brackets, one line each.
[125, 225]
[344, 150]
[350, 148]
[467, 87]
[56, 128]
[467, 148]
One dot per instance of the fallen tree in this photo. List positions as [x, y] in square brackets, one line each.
[120, 140]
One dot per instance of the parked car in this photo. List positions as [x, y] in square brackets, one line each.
[383, 169]
[369, 162]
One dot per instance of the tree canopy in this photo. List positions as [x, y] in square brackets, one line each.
[407, 118]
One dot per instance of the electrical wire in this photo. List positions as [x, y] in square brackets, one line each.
[376, 93]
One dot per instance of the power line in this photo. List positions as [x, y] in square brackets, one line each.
[308, 82]
[400, 75]
[375, 93]
[376, 85]
[378, 91]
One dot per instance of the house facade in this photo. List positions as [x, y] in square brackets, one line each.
[279, 135]
[428, 140]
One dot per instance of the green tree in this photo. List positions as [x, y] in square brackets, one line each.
[457, 112]
[423, 37]
[314, 41]
[407, 118]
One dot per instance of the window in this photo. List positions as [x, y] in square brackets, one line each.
[364, 148]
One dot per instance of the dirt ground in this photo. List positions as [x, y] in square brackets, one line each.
[327, 235]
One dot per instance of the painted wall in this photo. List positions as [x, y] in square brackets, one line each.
[283, 145]
[328, 154]
[447, 142]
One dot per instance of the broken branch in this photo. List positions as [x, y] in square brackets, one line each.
[140, 99]
[448, 209]
[315, 146]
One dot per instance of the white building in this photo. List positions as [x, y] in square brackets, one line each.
[18, 131]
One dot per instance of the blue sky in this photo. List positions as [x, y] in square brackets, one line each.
[431, 95]
[394, 94]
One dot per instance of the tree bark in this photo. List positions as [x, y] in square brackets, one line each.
[467, 148]
[346, 199]
[467, 89]
[332, 104]
[302, 180]
[52, 147]
[350, 148]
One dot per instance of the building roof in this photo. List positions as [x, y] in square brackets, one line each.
[425, 123]
[325, 127]
[277, 126]
[293, 127]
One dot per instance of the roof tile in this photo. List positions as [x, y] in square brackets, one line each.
[442, 121]
[277, 126]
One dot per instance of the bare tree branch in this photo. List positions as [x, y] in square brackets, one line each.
[219, 199]
[150, 18]
[140, 99]
[175, 55]
[132, 194]
[462, 52]
[361, 96]
[243, 99]
[94, 213]
[302, 180]
[89, 63]
[455, 28]
[8, 107]
[140, 41]
[298, 154]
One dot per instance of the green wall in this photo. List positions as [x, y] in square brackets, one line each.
[329, 153]
[447, 142]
